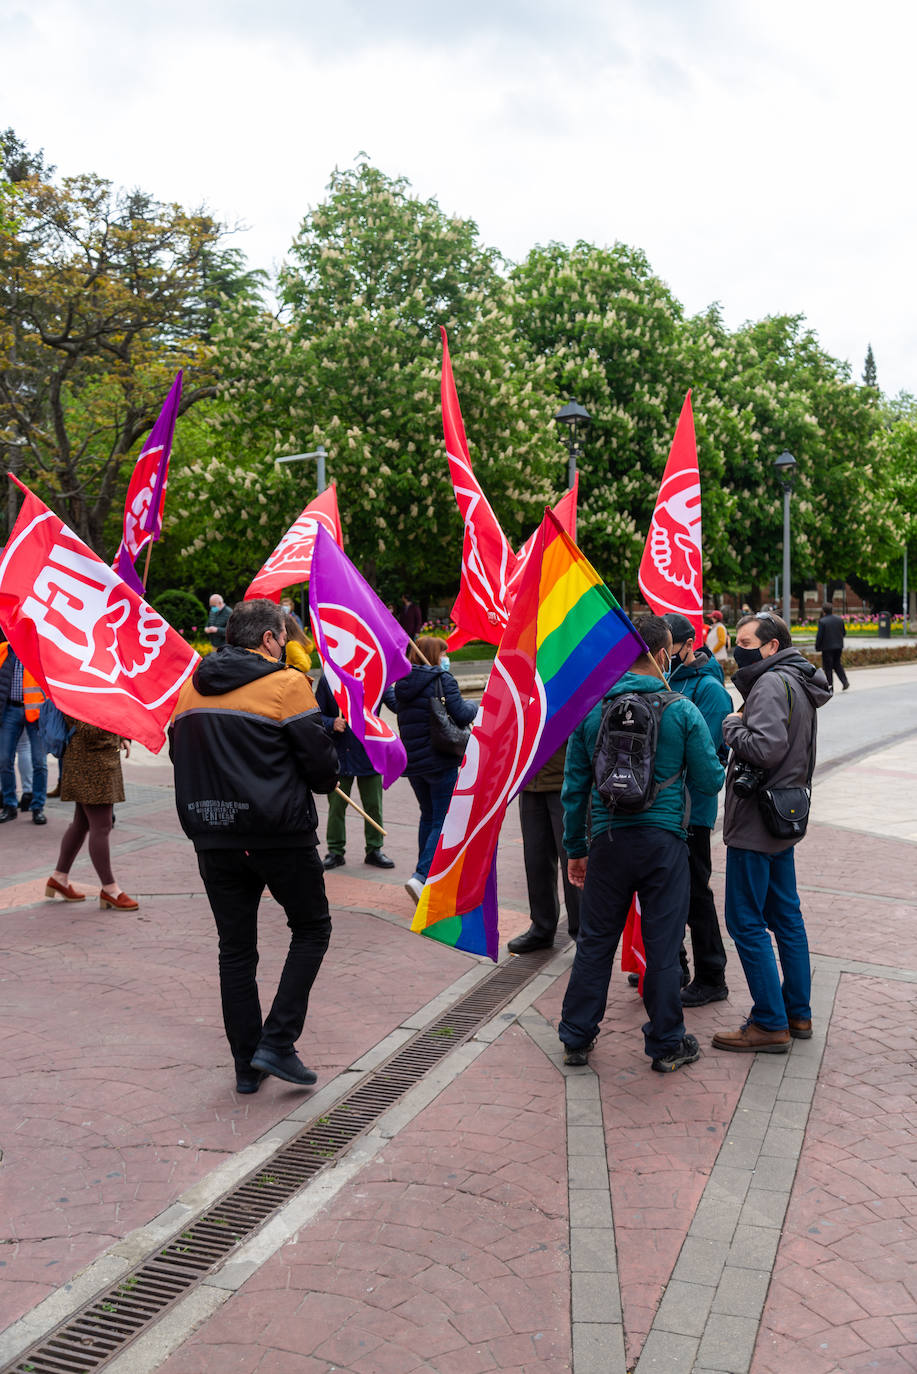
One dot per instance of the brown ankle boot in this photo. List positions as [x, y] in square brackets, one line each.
[752, 1038]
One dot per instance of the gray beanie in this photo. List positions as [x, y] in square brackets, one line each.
[681, 627]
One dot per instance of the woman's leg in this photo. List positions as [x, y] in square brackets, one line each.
[99, 818]
[71, 845]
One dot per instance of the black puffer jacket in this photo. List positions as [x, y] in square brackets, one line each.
[412, 702]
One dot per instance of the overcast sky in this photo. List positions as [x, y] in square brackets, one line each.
[759, 151]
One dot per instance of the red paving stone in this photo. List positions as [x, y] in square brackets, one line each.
[449, 1252]
[844, 1293]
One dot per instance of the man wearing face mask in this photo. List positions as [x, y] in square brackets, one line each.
[774, 733]
[701, 681]
[643, 853]
[249, 750]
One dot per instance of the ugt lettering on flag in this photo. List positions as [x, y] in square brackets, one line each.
[362, 648]
[96, 648]
[146, 494]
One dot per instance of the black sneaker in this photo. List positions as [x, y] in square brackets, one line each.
[633, 980]
[699, 994]
[575, 1058]
[687, 1053]
[25, 801]
[249, 1080]
[287, 1066]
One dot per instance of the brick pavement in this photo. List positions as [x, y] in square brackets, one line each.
[473, 1236]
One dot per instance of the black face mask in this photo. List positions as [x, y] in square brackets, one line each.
[745, 657]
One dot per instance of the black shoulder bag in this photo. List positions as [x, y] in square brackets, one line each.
[445, 736]
[785, 810]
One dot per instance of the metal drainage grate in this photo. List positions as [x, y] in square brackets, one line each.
[104, 1326]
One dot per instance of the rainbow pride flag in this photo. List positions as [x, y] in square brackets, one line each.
[566, 643]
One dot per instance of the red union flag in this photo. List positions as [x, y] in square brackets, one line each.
[671, 569]
[482, 606]
[291, 561]
[98, 650]
[146, 494]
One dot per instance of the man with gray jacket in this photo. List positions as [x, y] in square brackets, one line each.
[774, 733]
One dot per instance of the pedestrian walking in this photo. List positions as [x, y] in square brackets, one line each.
[91, 778]
[773, 739]
[249, 750]
[829, 642]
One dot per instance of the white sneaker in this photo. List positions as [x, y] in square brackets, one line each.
[413, 887]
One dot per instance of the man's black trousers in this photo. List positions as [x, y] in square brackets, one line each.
[541, 816]
[235, 880]
[706, 940]
[653, 863]
[831, 663]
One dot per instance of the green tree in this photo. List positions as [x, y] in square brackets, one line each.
[354, 363]
[103, 296]
[870, 376]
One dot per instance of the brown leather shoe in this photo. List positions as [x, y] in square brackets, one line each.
[752, 1038]
[120, 903]
[800, 1030]
[68, 893]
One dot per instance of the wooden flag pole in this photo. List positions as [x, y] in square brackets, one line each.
[146, 566]
[420, 653]
[350, 802]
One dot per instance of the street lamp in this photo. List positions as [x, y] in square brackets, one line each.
[786, 472]
[319, 455]
[576, 419]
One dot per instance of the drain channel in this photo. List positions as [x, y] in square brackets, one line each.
[105, 1325]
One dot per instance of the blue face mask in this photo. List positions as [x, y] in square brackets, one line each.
[444, 661]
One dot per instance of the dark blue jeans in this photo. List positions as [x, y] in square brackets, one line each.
[761, 896]
[10, 730]
[653, 863]
[434, 793]
[234, 881]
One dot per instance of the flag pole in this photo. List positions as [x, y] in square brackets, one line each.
[420, 653]
[350, 802]
[146, 566]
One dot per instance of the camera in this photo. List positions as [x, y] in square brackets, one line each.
[747, 778]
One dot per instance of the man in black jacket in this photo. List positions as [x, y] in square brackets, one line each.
[829, 642]
[249, 750]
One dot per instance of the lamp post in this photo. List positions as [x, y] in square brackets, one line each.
[319, 455]
[575, 419]
[786, 471]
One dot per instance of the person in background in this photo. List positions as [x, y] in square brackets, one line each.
[91, 777]
[20, 703]
[286, 605]
[717, 641]
[541, 816]
[353, 762]
[409, 617]
[431, 775]
[702, 683]
[298, 648]
[217, 621]
[829, 642]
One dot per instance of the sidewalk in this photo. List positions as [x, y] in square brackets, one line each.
[508, 1214]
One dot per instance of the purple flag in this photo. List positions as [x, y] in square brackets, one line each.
[146, 495]
[362, 648]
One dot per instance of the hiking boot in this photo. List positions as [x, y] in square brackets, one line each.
[752, 1038]
[699, 994]
[688, 1052]
[800, 1030]
[576, 1057]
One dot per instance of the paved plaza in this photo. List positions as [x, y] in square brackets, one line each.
[745, 1214]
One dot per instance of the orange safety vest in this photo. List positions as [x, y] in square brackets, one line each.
[32, 695]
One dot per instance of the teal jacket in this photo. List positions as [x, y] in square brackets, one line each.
[702, 683]
[684, 743]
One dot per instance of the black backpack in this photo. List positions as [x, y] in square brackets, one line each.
[624, 761]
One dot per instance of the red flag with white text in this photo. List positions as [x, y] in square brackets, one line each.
[482, 606]
[671, 569]
[96, 648]
[291, 561]
[146, 494]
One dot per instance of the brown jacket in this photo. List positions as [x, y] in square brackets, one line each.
[91, 767]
